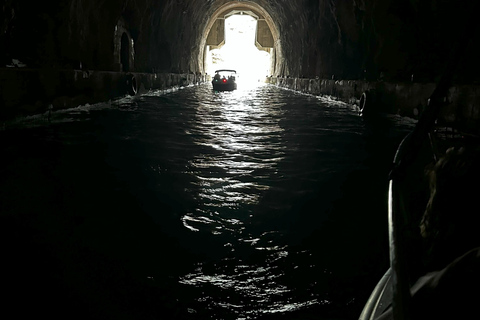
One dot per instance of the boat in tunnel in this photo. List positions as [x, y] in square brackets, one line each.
[224, 80]
[140, 183]
[434, 246]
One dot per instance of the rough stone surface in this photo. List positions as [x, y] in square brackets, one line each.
[62, 54]
[30, 91]
[372, 40]
[348, 39]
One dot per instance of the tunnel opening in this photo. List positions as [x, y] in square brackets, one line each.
[239, 51]
[244, 37]
[125, 53]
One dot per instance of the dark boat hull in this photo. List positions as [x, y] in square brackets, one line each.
[220, 86]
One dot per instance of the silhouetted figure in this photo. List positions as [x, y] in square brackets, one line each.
[450, 228]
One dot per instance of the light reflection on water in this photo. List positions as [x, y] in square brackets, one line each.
[276, 189]
[242, 144]
[248, 137]
[268, 166]
[246, 133]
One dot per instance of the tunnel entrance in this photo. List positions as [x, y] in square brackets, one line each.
[242, 37]
[123, 48]
[238, 51]
[125, 53]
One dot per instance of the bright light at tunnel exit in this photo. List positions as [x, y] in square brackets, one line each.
[239, 51]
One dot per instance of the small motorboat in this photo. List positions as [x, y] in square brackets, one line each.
[224, 80]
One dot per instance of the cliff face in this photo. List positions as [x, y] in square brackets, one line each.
[349, 39]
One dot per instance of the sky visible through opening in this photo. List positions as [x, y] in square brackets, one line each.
[239, 51]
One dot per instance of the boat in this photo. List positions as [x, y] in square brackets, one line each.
[392, 296]
[224, 80]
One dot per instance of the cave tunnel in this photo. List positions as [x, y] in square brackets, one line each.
[312, 39]
[351, 40]
[70, 53]
[75, 54]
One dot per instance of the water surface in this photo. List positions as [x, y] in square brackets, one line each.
[250, 204]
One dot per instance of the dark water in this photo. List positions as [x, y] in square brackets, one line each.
[257, 203]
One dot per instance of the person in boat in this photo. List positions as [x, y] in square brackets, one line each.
[216, 76]
[450, 229]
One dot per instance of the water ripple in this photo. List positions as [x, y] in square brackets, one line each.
[257, 153]
[276, 195]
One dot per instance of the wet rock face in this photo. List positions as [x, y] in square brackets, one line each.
[353, 39]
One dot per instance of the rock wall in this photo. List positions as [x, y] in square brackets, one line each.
[347, 39]
[391, 40]
[36, 91]
[403, 98]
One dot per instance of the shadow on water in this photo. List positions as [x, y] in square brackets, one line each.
[257, 203]
[78, 240]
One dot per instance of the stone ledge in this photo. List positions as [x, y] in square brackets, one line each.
[32, 91]
[407, 99]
